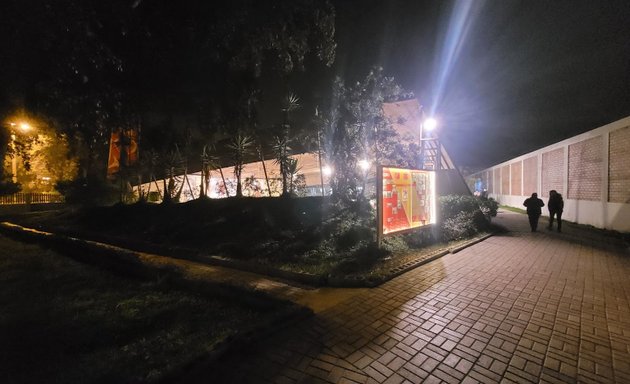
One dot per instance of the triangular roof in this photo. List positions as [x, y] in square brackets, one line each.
[405, 117]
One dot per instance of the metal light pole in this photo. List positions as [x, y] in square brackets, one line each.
[13, 160]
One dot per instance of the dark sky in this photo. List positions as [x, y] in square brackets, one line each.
[523, 74]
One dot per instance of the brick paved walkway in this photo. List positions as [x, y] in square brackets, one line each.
[520, 307]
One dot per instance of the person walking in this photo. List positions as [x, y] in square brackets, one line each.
[534, 205]
[555, 206]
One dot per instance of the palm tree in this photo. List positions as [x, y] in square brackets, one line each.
[241, 146]
[281, 151]
[262, 161]
[171, 163]
[292, 170]
[209, 161]
[281, 143]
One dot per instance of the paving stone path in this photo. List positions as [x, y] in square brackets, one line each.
[520, 307]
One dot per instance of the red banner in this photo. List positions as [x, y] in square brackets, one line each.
[122, 142]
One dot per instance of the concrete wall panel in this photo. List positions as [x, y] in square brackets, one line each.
[585, 169]
[516, 175]
[619, 166]
[552, 171]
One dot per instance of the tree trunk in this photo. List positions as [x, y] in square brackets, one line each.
[166, 199]
[284, 182]
[201, 183]
[207, 182]
[319, 158]
[237, 172]
[262, 159]
[227, 193]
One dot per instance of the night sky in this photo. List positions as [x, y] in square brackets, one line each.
[502, 77]
[526, 73]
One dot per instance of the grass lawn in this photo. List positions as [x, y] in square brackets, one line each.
[66, 322]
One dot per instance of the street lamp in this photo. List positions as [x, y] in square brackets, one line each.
[430, 124]
[427, 126]
[364, 165]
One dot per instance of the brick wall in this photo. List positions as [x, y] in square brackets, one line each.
[578, 167]
[552, 171]
[505, 180]
[619, 166]
[585, 169]
[515, 174]
[497, 181]
[530, 175]
[489, 184]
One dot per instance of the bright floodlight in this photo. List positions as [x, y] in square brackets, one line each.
[326, 170]
[364, 164]
[430, 124]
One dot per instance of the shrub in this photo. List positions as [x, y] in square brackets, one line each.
[87, 191]
[488, 206]
[451, 205]
[463, 225]
[464, 216]
[8, 187]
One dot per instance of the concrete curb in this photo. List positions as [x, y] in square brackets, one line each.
[355, 283]
[470, 243]
[304, 278]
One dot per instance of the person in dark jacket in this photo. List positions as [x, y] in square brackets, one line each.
[533, 205]
[555, 206]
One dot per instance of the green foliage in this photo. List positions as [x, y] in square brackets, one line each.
[240, 146]
[281, 152]
[252, 187]
[349, 225]
[354, 128]
[8, 187]
[462, 225]
[489, 206]
[462, 216]
[451, 205]
[90, 191]
[299, 185]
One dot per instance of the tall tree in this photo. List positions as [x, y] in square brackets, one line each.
[354, 128]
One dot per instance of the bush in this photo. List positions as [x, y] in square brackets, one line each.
[87, 191]
[463, 215]
[8, 187]
[488, 206]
